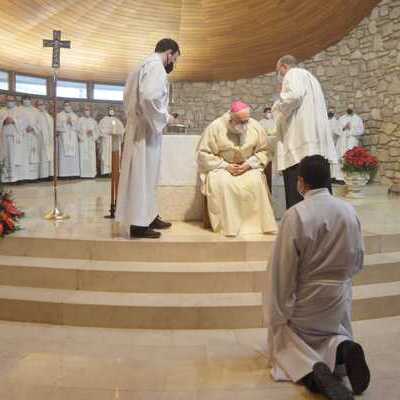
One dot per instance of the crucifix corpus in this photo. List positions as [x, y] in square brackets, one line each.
[56, 44]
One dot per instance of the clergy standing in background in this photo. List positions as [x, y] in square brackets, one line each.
[353, 128]
[87, 136]
[146, 99]
[232, 156]
[68, 147]
[308, 296]
[28, 117]
[46, 128]
[268, 122]
[336, 131]
[108, 126]
[13, 150]
[302, 125]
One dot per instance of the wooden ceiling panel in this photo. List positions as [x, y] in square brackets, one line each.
[220, 39]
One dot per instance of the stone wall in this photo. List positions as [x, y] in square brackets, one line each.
[363, 69]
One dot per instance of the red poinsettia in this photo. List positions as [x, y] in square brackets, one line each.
[358, 159]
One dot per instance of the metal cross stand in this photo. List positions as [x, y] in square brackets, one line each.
[56, 44]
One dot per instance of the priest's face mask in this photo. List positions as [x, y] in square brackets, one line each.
[240, 125]
[27, 102]
[86, 112]
[67, 108]
[171, 60]
[41, 106]
[11, 102]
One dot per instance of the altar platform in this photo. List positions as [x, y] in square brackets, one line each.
[81, 272]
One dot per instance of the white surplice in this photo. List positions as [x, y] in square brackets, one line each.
[28, 118]
[350, 137]
[146, 98]
[302, 123]
[13, 152]
[336, 132]
[308, 294]
[87, 146]
[109, 126]
[68, 147]
[46, 129]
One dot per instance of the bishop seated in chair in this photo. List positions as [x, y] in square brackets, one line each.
[232, 156]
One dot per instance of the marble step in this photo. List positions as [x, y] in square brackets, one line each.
[168, 311]
[147, 277]
[187, 248]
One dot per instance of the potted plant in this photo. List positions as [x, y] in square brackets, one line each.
[9, 213]
[358, 167]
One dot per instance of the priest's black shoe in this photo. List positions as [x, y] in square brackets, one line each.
[158, 223]
[328, 384]
[143, 232]
[353, 357]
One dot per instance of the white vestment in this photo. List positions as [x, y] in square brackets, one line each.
[336, 132]
[68, 147]
[146, 100]
[46, 129]
[350, 137]
[309, 284]
[108, 127]
[302, 123]
[13, 152]
[236, 204]
[28, 117]
[87, 146]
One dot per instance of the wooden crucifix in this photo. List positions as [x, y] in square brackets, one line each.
[56, 44]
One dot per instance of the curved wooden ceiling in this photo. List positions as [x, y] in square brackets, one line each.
[220, 39]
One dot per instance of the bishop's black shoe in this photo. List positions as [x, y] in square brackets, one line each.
[158, 223]
[328, 384]
[143, 232]
[352, 356]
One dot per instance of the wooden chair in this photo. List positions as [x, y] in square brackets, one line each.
[206, 217]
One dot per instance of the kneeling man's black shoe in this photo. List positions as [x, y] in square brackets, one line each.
[356, 366]
[143, 232]
[158, 223]
[328, 384]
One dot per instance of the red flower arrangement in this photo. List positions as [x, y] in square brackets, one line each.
[358, 159]
[9, 213]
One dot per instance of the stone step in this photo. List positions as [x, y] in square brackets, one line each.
[214, 248]
[168, 311]
[147, 277]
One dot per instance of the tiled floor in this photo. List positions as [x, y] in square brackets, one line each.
[87, 202]
[40, 362]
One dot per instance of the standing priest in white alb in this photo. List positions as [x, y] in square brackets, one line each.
[68, 147]
[28, 117]
[45, 122]
[13, 151]
[302, 123]
[109, 125]
[88, 134]
[146, 99]
[308, 296]
[353, 128]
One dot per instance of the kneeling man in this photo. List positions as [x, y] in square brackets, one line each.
[309, 290]
[232, 156]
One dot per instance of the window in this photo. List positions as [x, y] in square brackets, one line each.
[108, 92]
[30, 84]
[3, 80]
[73, 90]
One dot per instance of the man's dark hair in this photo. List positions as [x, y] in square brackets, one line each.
[267, 109]
[167, 44]
[26, 97]
[315, 171]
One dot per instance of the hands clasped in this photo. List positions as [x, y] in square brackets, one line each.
[238, 169]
